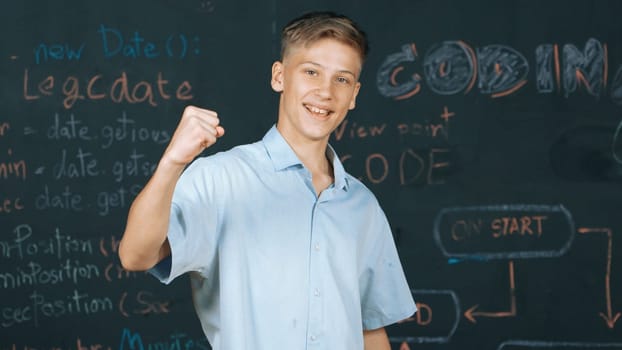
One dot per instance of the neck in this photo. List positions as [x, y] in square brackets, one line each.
[313, 155]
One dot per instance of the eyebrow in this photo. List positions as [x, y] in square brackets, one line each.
[343, 71]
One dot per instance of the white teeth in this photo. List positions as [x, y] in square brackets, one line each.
[317, 110]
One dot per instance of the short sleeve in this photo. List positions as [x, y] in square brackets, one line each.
[385, 295]
[193, 226]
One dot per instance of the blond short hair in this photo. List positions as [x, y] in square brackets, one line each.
[311, 27]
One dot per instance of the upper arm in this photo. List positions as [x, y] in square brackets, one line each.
[165, 250]
[385, 295]
[376, 339]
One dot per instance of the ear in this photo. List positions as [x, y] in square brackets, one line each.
[357, 87]
[277, 76]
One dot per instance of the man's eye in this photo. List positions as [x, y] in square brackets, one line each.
[311, 72]
[343, 80]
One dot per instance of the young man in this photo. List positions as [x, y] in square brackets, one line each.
[285, 249]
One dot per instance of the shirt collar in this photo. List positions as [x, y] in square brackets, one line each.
[283, 156]
[279, 151]
[341, 180]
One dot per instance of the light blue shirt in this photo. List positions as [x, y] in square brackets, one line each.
[273, 265]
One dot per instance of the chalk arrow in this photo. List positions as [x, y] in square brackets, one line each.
[610, 318]
[470, 314]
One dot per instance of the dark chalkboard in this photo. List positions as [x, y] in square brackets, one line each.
[489, 131]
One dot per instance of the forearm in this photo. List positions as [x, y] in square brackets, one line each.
[376, 339]
[143, 242]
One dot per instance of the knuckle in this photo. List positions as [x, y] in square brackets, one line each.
[189, 109]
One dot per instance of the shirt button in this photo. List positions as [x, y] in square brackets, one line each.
[313, 338]
[316, 292]
[317, 246]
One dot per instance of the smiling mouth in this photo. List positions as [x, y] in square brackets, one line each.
[318, 111]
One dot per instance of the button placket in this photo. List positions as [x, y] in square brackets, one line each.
[316, 307]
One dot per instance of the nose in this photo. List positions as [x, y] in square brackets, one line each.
[324, 88]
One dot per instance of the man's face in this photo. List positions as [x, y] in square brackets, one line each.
[318, 86]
